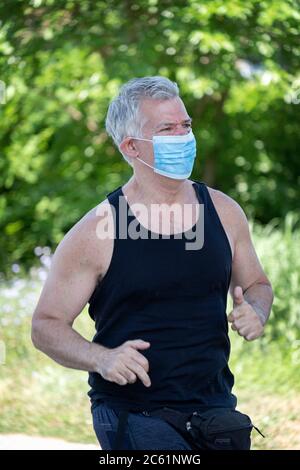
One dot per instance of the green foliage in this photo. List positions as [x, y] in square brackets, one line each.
[279, 252]
[236, 63]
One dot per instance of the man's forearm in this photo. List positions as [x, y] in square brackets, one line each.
[260, 297]
[67, 347]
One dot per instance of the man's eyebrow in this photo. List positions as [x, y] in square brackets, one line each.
[172, 123]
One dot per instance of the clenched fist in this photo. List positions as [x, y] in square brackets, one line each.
[125, 364]
[244, 318]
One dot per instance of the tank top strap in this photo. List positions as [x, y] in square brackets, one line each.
[210, 206]
[201, 191]
[122, 217]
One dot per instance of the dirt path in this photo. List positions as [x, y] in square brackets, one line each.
[22, 442]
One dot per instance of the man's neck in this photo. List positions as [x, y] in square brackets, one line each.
[159, 190]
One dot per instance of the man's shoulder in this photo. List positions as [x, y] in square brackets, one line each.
[226, 202]
[82, 242]
[229, 210]
[87, 224]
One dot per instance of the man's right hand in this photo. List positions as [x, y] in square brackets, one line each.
[125, 364]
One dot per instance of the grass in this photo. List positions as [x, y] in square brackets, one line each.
[267, 386]
[39, 397]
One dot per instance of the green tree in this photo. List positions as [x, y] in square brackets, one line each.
[236, 63]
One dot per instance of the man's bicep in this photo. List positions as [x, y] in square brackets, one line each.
[69, 285]
[246, 267]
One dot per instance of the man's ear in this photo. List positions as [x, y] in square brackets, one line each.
[127, 147]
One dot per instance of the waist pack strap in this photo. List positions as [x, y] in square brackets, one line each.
[175, 418]
[122, 423]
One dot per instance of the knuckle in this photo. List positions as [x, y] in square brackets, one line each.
[109, 376]
[132, 378]
[122, 354]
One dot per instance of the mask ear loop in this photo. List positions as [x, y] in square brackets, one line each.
[145, 163]
[139, 138]
[149, 140]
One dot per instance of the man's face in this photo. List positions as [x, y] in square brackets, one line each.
[161, 117]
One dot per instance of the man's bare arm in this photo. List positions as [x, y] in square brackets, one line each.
[260, 296]
[250, 288]
[247, 270]
[70, 283]
[77, 263]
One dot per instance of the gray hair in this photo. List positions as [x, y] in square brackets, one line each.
[123, 116]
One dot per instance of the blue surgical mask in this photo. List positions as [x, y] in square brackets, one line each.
[174, 155]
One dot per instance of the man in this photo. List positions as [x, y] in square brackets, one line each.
[158, 301]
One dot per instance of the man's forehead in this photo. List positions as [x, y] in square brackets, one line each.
[174, 121]
[157, 123]
[157, 113]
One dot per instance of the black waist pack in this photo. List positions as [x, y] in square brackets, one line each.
[215, 429]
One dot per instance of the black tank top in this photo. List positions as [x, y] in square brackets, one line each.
[157, 290]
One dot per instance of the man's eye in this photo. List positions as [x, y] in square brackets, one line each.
[169, 128]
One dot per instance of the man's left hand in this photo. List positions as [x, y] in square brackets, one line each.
[245, 320]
